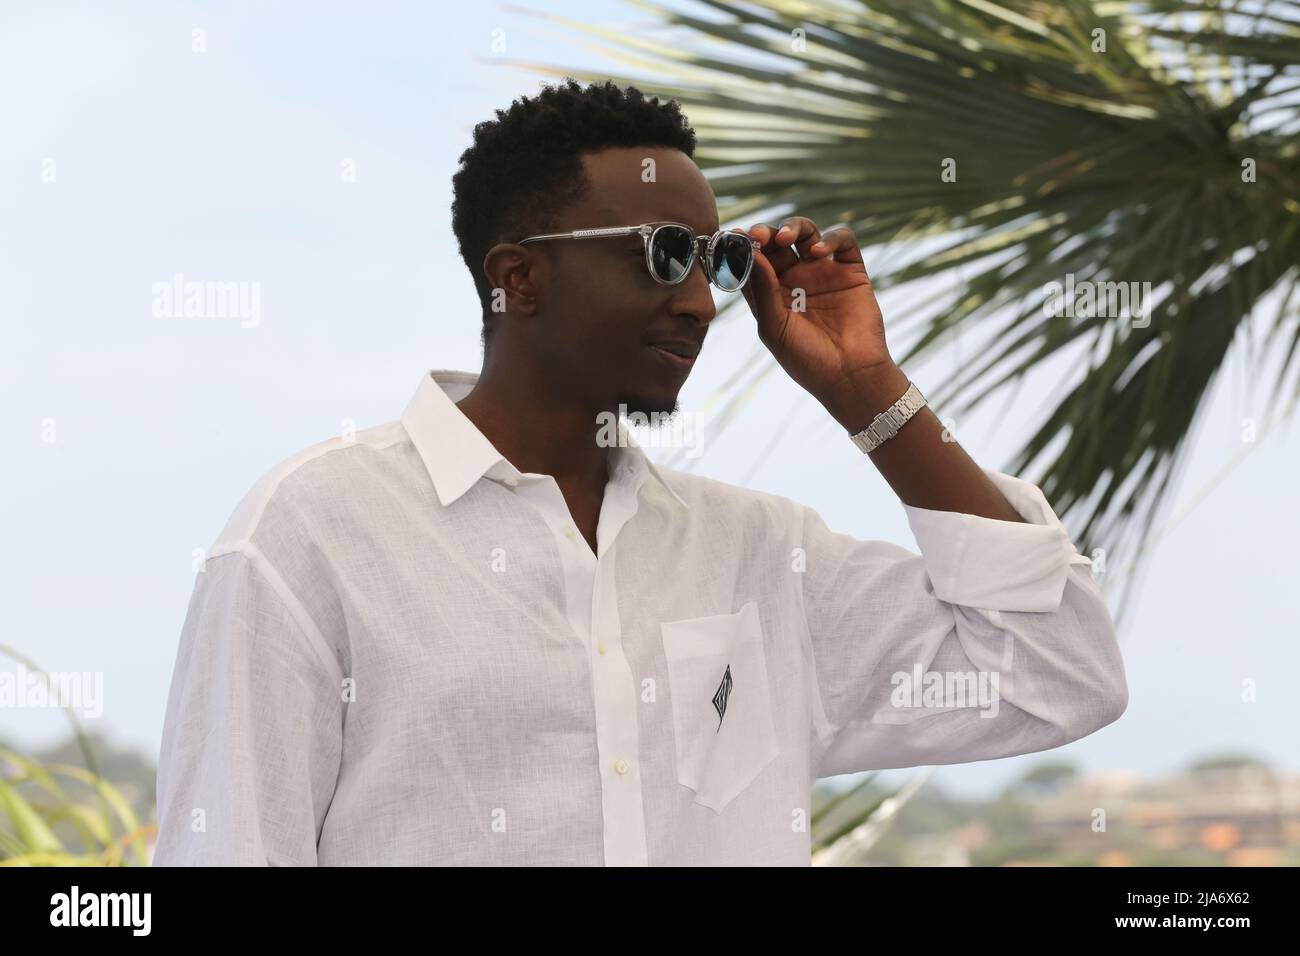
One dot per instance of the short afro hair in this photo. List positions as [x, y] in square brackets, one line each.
[525, 167]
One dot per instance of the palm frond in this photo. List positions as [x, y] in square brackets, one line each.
[1167, 158]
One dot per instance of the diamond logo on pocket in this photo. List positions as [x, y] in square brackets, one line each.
[720, 696]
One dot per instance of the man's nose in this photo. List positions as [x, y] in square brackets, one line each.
[694, 295]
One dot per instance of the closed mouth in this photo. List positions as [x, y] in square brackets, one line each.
[684, 348]
[680, 354]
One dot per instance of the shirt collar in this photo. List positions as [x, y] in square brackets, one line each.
[457, 454]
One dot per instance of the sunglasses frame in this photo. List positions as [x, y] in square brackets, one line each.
[647, 232]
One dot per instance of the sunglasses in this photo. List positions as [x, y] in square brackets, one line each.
[672, 248]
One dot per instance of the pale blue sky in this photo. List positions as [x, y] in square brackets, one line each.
[225, 165]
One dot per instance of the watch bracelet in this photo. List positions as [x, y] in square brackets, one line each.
[887, 424]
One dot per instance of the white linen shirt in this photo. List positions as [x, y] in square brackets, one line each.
[401, 651]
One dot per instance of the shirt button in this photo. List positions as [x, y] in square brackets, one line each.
[569, 532]
[620, 765]
[512, 482]
[601, 646]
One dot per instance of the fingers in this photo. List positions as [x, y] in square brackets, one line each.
[798, 238]
[779, 254]
[840, 243]
[800, 233]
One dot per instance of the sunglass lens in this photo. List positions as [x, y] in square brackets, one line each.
[733, 257]
[670, 252]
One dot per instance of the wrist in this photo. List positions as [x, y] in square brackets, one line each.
[865, 394]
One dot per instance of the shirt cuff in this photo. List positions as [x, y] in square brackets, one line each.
[995, 565]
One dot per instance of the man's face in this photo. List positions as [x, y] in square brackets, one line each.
[600, 312]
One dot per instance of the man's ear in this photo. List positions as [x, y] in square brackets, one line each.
[514, 275]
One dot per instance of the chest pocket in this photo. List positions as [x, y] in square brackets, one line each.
[722, 709]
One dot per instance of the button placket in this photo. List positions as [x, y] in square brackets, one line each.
[592, 608]
[617, 734]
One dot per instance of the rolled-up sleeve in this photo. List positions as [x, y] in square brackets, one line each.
[993, 641]
[252, 737]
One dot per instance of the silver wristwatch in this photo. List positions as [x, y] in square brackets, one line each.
[886, 425]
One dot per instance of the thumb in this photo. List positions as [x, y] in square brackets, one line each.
[763, 293]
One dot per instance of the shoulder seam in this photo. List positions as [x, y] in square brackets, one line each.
[276, 477]
[258, 561]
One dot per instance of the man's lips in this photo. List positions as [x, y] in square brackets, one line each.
[679, 353]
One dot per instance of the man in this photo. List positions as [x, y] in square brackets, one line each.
[485, 634]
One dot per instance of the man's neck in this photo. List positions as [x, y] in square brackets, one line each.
[538, 430]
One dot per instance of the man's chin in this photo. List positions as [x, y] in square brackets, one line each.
[652, 407]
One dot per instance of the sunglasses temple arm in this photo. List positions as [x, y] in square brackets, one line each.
[583, 234]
